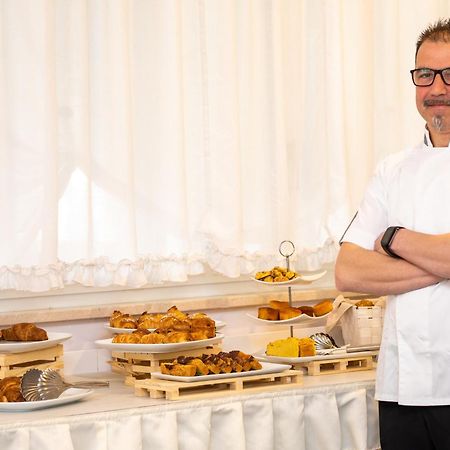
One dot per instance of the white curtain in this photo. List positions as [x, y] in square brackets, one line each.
[142, 141]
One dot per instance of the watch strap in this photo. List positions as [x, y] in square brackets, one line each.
[388, 238]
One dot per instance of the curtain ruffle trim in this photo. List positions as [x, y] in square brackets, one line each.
[146, 271]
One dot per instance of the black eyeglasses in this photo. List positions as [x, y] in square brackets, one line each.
[426, 76]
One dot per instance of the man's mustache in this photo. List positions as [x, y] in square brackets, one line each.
[436, 102]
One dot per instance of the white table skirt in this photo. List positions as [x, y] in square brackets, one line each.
[329, 417]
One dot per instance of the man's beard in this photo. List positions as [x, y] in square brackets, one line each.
[438, 123]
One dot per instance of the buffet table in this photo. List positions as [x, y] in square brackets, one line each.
[328, 412]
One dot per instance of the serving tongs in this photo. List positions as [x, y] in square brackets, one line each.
[326, 345]
[48, 384]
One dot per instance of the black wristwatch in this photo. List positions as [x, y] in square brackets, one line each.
[388, 238]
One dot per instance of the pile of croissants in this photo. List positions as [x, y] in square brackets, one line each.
[172, 327]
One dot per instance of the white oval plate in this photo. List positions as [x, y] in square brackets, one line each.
[298, 319]
[304, 277]
[158, 348]
[20, 347]
[219, 324]
[69, 396]
[267, 367]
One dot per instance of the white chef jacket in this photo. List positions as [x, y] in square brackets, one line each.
[411, 189]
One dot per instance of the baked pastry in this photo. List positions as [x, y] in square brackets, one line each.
[276, 304]
[308, 310]
[174, 311]
[126, 338]
[178, 336]
[289, 312]
[283, 347]
[199, 334]
[179, 370]
[202, 326]
[364, 303]
[24, 332]
[275, 275]
[267, 313]
[307, 347]
[153, 338]
[120, 320]
[222, 362]
[149, 320]
[10, 390]
[322, 308]
[202, 368]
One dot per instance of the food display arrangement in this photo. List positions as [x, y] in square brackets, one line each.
[278, 310]
[222, 362]
[216, 374]
[25, 347]
[318, 354]
[175, 326]
[125, 323]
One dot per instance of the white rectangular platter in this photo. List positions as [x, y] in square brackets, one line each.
[286, 360]
[267, 367]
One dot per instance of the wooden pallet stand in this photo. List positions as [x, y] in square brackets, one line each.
[137, 366]
[16, 364]
[340, 365]
[175, 390]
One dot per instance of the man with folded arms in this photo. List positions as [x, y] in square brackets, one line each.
[398, 244]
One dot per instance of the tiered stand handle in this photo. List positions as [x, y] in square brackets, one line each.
[287, 249]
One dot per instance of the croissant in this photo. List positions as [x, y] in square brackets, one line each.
[153, 338]
[174, 311]
[10, 390]
[169, 322]
[147, 320]
[199, 335]
[122, 321]
[178, 336]
[126, 338]
[24, 332]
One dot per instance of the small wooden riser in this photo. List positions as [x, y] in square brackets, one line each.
[341, 365]
[16, 364]
[175, 390]
[141, 365]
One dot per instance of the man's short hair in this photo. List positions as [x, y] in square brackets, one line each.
[436, 32]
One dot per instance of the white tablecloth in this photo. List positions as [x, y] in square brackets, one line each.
[330, 412]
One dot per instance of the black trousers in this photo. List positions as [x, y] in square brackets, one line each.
[414, 427]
